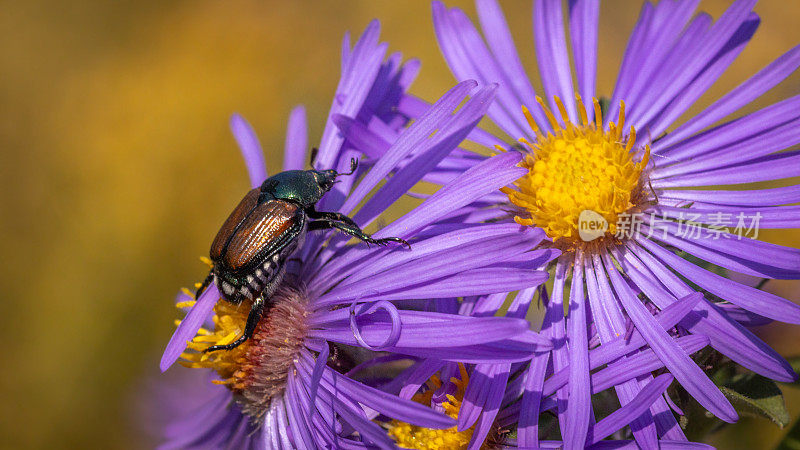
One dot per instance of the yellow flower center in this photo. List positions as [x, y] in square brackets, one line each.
[257, 369]
[413, 436]
[229, 321]
[580, 176]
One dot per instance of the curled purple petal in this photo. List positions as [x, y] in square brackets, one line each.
[394, 317]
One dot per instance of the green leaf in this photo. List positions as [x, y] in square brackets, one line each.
[757, 396]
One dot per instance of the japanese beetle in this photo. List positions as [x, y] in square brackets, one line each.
[262, 232]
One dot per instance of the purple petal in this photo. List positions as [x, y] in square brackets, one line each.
[528, 429]
[490, 408]
[727, 336]
[209, 413]
[769, 217]
[743, 316]
[653, 36]
[729, 133]
[580, 403]
[481, 382]
[557, 332]
[487, 306]
[408, 141]
[486, 66]
[772, 167]
[189, 326]
[752, 299]
[583, 19]
[777, 137]
[442, 330]
[445, 263]
[282, 424]
[430, 152]
[484, 178]
[488, 70]
[742, 95]
[316, 375]
[743, 255]
[610, 323]
[385, 403]
[394, 316]
[659, 122]
[369, 431]
[350, 268]
[670, 82]
[294, 156]
[269, 434]
[606, 310]
[498, 36]
[464, 67]
[664, 444]
[250, 148]
[419, 375]
[631, 70]
[412, 106]
[633, 409]
[361, 137]
[521, 304]
[679, 364]
[300, 430]
[752, 197]
[675, 52]
[551, 55]
[392, 81]
[319, 415]
[621, 346]
[641, 363]
[359, 70]
[467, 283]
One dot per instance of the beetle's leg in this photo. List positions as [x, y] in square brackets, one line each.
[204, 285]
[353, 166]
[333, 217]
[249, 328]
[343, 223]
[312, 212]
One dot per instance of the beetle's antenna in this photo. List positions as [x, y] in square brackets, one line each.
[353, 167]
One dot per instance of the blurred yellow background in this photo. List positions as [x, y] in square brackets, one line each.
[117, 167]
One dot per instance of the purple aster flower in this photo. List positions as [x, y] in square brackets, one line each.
[617, 195]
[480, 393]
[277, 390]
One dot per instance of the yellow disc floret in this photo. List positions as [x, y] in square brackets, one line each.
[257, 370]
[412, 436]
[578, 168]
[229, 321]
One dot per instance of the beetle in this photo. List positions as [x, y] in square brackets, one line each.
[264, 230]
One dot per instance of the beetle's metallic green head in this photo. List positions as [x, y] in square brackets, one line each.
[304, 187]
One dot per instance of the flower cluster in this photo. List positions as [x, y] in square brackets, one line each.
[433, 346]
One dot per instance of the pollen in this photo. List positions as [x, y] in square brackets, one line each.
[229, 321]
[575, 168]
[416, 437]
[256, 370]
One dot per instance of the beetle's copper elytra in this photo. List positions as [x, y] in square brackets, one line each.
[262, 232]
